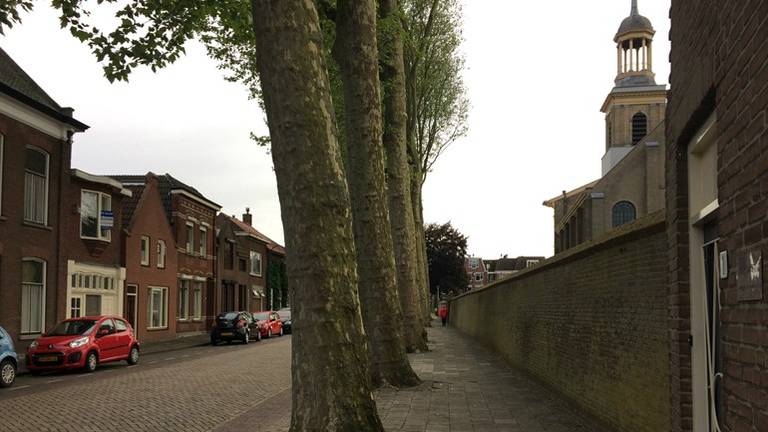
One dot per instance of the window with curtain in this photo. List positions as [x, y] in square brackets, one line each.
[623, 212]
[197, 301]
[157, 308]
[32, 295]
[255, 263]
[36, 186]
[161, 252]
[183, 299]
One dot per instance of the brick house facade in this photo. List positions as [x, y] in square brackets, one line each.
[192, 218]
[717, 208]
[477, 272]
[242, 270]
[91, 275]
[35, 148]
[150, 258]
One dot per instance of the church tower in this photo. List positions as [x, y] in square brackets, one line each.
[636, 105]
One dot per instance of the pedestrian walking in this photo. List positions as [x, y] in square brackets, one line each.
[442, 312]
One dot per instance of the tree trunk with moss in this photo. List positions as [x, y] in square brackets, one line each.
[356, 52]
[331, 376]
[398, 173]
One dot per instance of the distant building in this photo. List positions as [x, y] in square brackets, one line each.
[151, 288]
[477, 273]
[505, 267]
[192, 217]
[632, 183]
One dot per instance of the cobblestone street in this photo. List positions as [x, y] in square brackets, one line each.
[247, 387]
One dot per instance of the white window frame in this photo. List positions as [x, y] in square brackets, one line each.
[190, 247]
[197, 301]
[475, 275]
[474, 263]
[163, 307]
[253, 255]
[203, 249]
[100, 196]
[47, 185]
[531, 263]
[184, 300]
[28, 331]
[144, 250]
[162, 251]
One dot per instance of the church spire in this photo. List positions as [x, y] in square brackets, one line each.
[634, 11]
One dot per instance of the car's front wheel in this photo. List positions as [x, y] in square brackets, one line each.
[281, 332]
[269, 333]
[91, 362]
[7, 373]
[247, 338]
[133, 357]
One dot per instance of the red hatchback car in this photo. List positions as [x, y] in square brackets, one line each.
[84, 342]
[269, 323]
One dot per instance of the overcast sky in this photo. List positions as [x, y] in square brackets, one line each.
[537, 74]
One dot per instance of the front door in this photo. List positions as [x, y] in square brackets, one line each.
[130, 310]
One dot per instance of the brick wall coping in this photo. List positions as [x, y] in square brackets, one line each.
[651, 224]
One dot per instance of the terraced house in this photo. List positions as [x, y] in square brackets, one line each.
[192, 218]
[35, 146]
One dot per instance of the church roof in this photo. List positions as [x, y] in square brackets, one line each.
[634, 22]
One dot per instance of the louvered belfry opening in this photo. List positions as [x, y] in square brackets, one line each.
[639, 127]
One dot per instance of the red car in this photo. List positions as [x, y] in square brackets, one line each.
[84, 343]
[269, 323]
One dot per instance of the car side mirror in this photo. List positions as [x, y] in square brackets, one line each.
[102, 332]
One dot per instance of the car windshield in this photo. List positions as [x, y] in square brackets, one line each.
[285, 314]
[228, 316]
[261, 316]
[72, 328]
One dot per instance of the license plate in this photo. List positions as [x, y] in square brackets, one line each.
[48, 358]
[226, 334]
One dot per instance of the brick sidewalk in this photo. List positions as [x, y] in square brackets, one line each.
[466, 388]
[469, 389]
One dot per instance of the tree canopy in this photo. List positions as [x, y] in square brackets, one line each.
[446, 251]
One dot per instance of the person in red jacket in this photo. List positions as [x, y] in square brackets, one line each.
[442, 312]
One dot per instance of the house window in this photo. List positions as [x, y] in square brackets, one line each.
[157, 308]
[75, 307]
[255, 264]
[478, 277]
[92, 305]
[144, 250]
[161, 252]
[95, 215]
[639, 127]
[183, 299]
[36, 186]
[197, 301]
[623, 212]
[190, 238]
[231, 255]
[474, 263]
[531, 263]
[241, 264]
[203, 241]
[32, 295]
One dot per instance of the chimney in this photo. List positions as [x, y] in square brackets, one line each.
[247, 217]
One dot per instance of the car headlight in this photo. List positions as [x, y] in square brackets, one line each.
[78, 342]
[33, 345]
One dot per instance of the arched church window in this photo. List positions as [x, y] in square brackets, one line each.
[639, 127]
[623, 212]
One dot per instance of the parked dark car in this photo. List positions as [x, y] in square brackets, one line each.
[9, 362]
[240, 326]
[285, 317]
[269, 323]
[85, 343]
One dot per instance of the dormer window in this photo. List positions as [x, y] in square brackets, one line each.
[639, 127]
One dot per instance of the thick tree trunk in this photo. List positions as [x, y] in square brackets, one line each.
[418, 216]
[356, 52]
[398, 174]
[331, 377]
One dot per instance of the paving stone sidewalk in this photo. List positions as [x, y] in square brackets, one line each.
[467, 388]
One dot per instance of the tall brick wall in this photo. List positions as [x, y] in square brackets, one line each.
[590, 323]
[720, 65]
